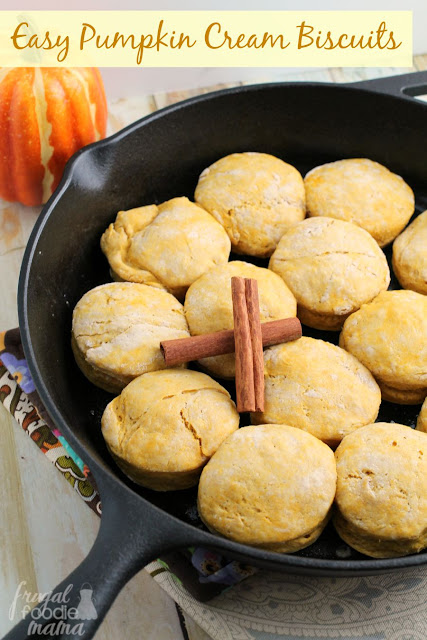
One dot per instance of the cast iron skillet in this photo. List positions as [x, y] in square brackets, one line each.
[157, 158]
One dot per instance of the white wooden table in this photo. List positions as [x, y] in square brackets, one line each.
[45, 528]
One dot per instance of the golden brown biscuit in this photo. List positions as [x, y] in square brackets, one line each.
[117, 329]
[410, 255]
[363, 192]
[270, 486]
[318, 387]
[422, 418]
[255, 196]
[382, 490]
[208, 306]
[170, 245]
[165, 425]
[389, 336]
[332, 267]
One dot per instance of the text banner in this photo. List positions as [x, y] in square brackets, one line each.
[206, 38]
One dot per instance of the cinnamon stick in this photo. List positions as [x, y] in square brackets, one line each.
[252, 304]
[221, 342]
[245, 391]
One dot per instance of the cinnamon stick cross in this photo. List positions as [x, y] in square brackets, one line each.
[251, 369]
[220, 343]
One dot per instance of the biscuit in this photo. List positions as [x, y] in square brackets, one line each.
[117, 329]
[165, 425]
[167, 246]
[389, 336]
[332, 267]
[270, 486]
[361, 191]
[255, 196]
[317, 387]
[422, 418]
[382, 490]
[410, 255]
[208, 306]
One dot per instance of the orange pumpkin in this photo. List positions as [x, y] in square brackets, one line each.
[46, 115]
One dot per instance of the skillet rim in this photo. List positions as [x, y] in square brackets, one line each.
[274, 560]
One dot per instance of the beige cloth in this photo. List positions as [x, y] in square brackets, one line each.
[270, 606]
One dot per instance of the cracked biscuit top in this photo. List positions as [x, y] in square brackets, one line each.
[381, 491]
[208, 305]
[166, 246]
[117, 329]
[255, 196]
[271, 486]
[165, 426]
[332, 267]
[361, 191]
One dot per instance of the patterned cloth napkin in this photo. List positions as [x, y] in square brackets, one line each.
[266, 607]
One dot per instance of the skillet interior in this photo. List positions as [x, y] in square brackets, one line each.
[161, 157]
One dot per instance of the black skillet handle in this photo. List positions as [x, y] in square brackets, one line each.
[128, 540]
[407, 85]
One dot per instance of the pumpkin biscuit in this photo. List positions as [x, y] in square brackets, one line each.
[270, 486]
[382, 490]
[332, 267]
[117, 329]
[317, 387]
[255, 196]
[167, 246]
[389, 336]
[165, 425]
[410, 255]
[208, 306]
[363, 192]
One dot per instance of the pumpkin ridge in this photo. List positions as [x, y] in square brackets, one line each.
[45, 131]
[101, 101]
[65, 136]
[24, 153]
[85, 82]
[5, 136]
